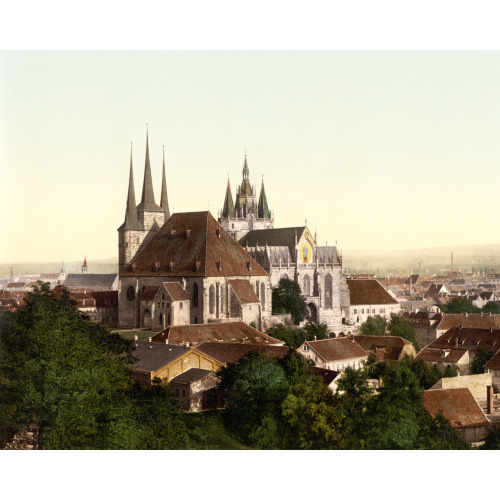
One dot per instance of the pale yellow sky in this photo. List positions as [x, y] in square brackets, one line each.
[375, 149]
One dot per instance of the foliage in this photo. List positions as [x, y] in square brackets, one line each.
[492, 440]
[287, 299]
[374, 325]
[295, 337]
[401, 327]
[71, 378]
[491, 307]
[483, 355]
[459, 305]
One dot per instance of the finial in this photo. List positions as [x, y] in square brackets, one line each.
[228, 177]
[306, 222]
[262, 178]
[245, 151]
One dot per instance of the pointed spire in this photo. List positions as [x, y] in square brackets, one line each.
[246, 171]
[228, 210]
[148, 197]
[163, 197]
[85, 268]
[62, 266]
[263, 210]
[131, 221]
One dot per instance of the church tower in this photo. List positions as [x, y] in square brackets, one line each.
[144, 220]
[85, 268]
[246, 214]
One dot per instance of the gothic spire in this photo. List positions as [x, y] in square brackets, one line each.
[228, 210]
[131, 221]
[163, 197]
[246, 172]
[148, 197]
[263, 210]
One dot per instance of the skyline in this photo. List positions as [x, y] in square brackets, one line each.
[377, 150]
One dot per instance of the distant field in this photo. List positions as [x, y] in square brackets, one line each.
[210, 432]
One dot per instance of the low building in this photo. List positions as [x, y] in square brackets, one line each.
[443, 358]
[370, 298]
[244, 302]
[461, 410]
[334, 354]
[386, 347]
[231, 353]
[477, 384]
[493, 367]
[330, 378]
[235, 332]
[91, 282]
[197, 390]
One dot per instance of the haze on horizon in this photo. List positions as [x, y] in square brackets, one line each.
[377, 150]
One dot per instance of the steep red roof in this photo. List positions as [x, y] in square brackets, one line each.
[433, 354]
[337, 349]
[369, 292]
[469, 321]
[193, 244]
[494, 362]
[244, 291]
[233, 332]
[149, 293]
[458, 406]
[176, 291]
[468, 338]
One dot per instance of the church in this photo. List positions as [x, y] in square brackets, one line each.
[183, 268]
[291, 253]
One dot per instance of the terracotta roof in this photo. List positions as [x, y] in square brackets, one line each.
[337, 349]
[176, 291]
[369, 292]
[244, 291]
[233, 332]
[385, 347]
[438, 355]
[106, 298]
[149, 293]
[191, 375]
[458, 406]
[172, 251]
[469, 321]
[16, 285]
[468, 338]
[49, 276]
[231, 353]
[494, 362]
[152, 356]
[328, 376]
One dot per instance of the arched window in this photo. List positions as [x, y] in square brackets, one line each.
[195, 295]
[307, 286]
[328, 290]
[263, 295]
[221, 298]
[211, 299]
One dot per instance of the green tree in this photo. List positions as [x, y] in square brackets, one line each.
[492, 440]
[491, 307]
[400, 327]
[374, 325]
[483, 355]
[287, 299]
[459, 305]
[295, 337]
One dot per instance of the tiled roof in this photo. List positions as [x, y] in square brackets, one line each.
[494, 362]
[86, 280]
[176, 291]
[458, 406]
[468, 338]
[438, 355]
[191, 375]
[149, 293]
[385, 347]
[328, 376]
[337, 349]
[244, 291]
[469, 321]
[231, 353]
[16, 285]
[369, 292]
[106, 298]
[193, 244]
[233, 332]
[153, 356]
[280, 237]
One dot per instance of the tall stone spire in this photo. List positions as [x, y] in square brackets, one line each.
[228, 210]
[131, 221]
[263, 210]
[148, 197]
[163, 197]
[246, 188]
[246, 172]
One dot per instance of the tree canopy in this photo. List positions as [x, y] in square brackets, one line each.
[287, 299]
[459, 305]
[374, 325]
[295, 337]
[483, 355]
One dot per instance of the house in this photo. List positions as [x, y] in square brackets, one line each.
[244, 301]
[443, 358]
[436, 291]
[231, 353]
[482, 299]
[493, 367]
[197, 390]
[165, 361]
[233, 332]
[477, 384]
[460, 408]
[334, 354]
[370, 298]
[330, 378]
[386, 347]
[91, 282]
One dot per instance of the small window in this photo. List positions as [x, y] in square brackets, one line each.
[183, 392]
[181, 304]
[162, 296]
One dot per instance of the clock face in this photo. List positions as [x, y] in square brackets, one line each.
[305, 252]
[131, 293]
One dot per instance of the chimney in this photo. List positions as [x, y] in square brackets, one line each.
[489, 399]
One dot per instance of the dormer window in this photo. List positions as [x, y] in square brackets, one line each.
[197, 266]
[218, 233]
[157, 266]
[249, 265]
[188, 233]
[171, 266]
[219, 266]
[172, 234]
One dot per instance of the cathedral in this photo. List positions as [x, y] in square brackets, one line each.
[291, 253]
[183, 268]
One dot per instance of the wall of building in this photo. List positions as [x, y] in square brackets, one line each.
[475, 383]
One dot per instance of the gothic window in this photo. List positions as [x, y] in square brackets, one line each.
[328, 290]
[258, 290]
[131, 293]
[263, 295]
[307, 285]
[221, 299]
[195, 295]
[211, 299]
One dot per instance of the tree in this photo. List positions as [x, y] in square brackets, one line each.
[492, 440]
[374, 325]
[491, 307]
[459, 305]
[400, 327]
[295, 337]
[483, 355]
[287, 299]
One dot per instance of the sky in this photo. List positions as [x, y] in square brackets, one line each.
[376, 149]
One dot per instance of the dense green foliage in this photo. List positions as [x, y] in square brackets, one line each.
[459, 305]
[492, 440]
[374, 325]
[288, 299]
[491, 307]
[398, 326]
[295, 337]
[71, 377]
[483, 355]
